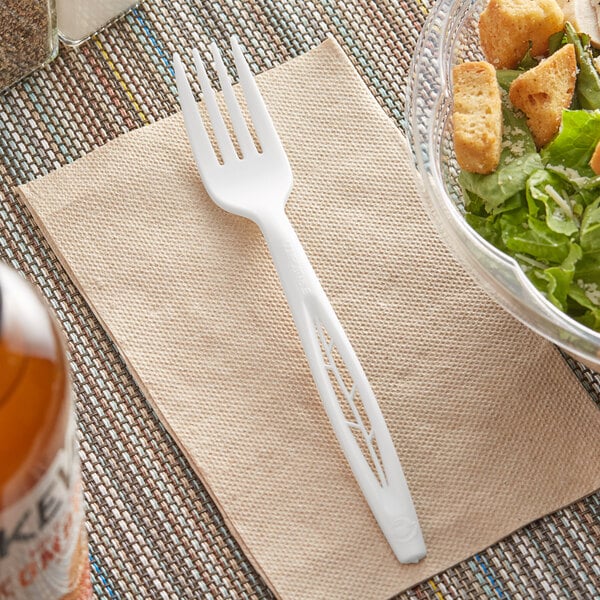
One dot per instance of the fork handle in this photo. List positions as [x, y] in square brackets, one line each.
[343, 387]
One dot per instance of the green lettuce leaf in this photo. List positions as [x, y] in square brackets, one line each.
[590, 228]
[488, 229]
[587, 270]
[551, 192]
[583, 304]
[585, 189]
[556, 41]
[555, 282]
[528, 61]
[534, 238]
[505, 77]
[587, 88]
[576, 141]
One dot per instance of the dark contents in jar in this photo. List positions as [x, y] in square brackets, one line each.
[26, 40]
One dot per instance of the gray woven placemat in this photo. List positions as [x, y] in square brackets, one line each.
[154, 531]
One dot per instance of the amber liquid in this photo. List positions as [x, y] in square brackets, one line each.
[34, 411]
[35, 414]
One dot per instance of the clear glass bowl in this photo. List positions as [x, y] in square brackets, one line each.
[450, 36]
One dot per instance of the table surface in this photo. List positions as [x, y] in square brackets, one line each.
[154, 531]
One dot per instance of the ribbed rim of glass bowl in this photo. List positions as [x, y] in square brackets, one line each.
[428, 105]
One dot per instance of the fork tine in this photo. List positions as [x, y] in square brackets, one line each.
[237, 119]
[201, 146]
[214, 113]
[263, 125]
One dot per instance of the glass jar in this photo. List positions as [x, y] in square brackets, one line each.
[43, 540]
[28, 38]
[80, 19]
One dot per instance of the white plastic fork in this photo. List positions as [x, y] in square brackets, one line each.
[257, 185]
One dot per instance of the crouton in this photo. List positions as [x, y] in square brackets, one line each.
[595, 160]
[544, 91]
[507, 27]
[477, 117]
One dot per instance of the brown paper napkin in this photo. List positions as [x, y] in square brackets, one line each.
[492, 427]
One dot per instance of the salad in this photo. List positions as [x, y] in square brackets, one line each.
[542, 205]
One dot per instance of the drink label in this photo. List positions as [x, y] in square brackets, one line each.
[43, 545]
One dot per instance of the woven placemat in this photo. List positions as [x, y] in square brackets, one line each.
[154, 531]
